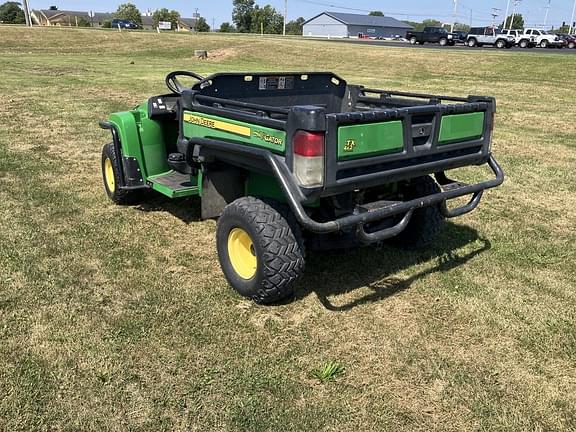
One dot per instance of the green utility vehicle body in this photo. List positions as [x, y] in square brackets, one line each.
[335, 160]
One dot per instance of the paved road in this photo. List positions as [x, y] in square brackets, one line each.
[456, 47]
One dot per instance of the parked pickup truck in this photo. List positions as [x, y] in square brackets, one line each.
[545, 39]
[285, 160]
[521, 39]
[437, 35]
[479, 36]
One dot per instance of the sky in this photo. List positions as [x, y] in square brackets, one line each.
[218, 11]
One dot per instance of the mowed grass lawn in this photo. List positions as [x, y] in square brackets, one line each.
[118, 318]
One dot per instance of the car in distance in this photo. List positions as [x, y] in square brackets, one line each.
[522, 40]
[569, 39]
[437, 35]
[124, 24]
[545, 39]
[460, 36]
[479, 36]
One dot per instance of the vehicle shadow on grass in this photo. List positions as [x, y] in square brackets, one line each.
[333, 273]
[339, 272]
[185, 209]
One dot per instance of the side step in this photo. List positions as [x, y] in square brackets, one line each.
[174, 184]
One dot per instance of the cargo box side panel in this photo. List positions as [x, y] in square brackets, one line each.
[202, 125]
[461, 127]
[365, 140]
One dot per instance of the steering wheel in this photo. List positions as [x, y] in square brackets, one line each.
[174, 85]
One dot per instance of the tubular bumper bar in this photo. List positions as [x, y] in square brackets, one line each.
[295, 198]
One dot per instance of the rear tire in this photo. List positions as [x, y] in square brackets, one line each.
[523, 44]
[260, 249]
[544, 44]
[426, 223]
[472, 43]
[111, 174]
[413, 41]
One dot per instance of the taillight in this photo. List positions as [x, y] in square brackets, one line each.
[308, 150]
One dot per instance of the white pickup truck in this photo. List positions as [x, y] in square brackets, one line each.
[545, 39]
[521, 39]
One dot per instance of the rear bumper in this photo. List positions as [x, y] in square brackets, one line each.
[246, 156]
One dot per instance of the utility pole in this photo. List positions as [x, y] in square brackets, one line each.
[454, 15]
[27, 16]
[572, 19]
[285, 17]
[516, 3]
[506, 14]
[546, 15]
[495, 15]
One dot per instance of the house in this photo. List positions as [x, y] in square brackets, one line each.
[343, 25]
[184, 24]
[56, 17]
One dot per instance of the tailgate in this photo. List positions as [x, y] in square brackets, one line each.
[377, 146]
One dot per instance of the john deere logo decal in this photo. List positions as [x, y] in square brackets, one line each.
[216, 124]
[350, 145]
[267, 137]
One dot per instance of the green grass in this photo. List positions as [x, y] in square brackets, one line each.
[329, 371]
[118, 318]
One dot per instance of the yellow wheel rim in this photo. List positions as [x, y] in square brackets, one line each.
[109, 175]
[242, 254]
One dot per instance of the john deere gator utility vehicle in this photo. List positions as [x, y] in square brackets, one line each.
[285, 160]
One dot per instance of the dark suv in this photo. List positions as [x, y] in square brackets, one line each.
[125, 24]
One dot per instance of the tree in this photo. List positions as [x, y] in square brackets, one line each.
[295, 27]
[82, 22]
[226, 27]
[376, 13]
[166, 15]
[517, 23]
[242, 15]
[462, 27]
[11, 13]
[266, 19]
[431, 23]
[128, 11]
[201, 25]
[417, 26]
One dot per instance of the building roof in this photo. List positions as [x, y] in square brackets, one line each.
[98, 16]
[190, 22]
[364, 20]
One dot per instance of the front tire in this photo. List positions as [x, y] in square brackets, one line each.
[426, 223]
[111, 174]
[500, 44]
[260, 249]
[544, 44]
[443, 42]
